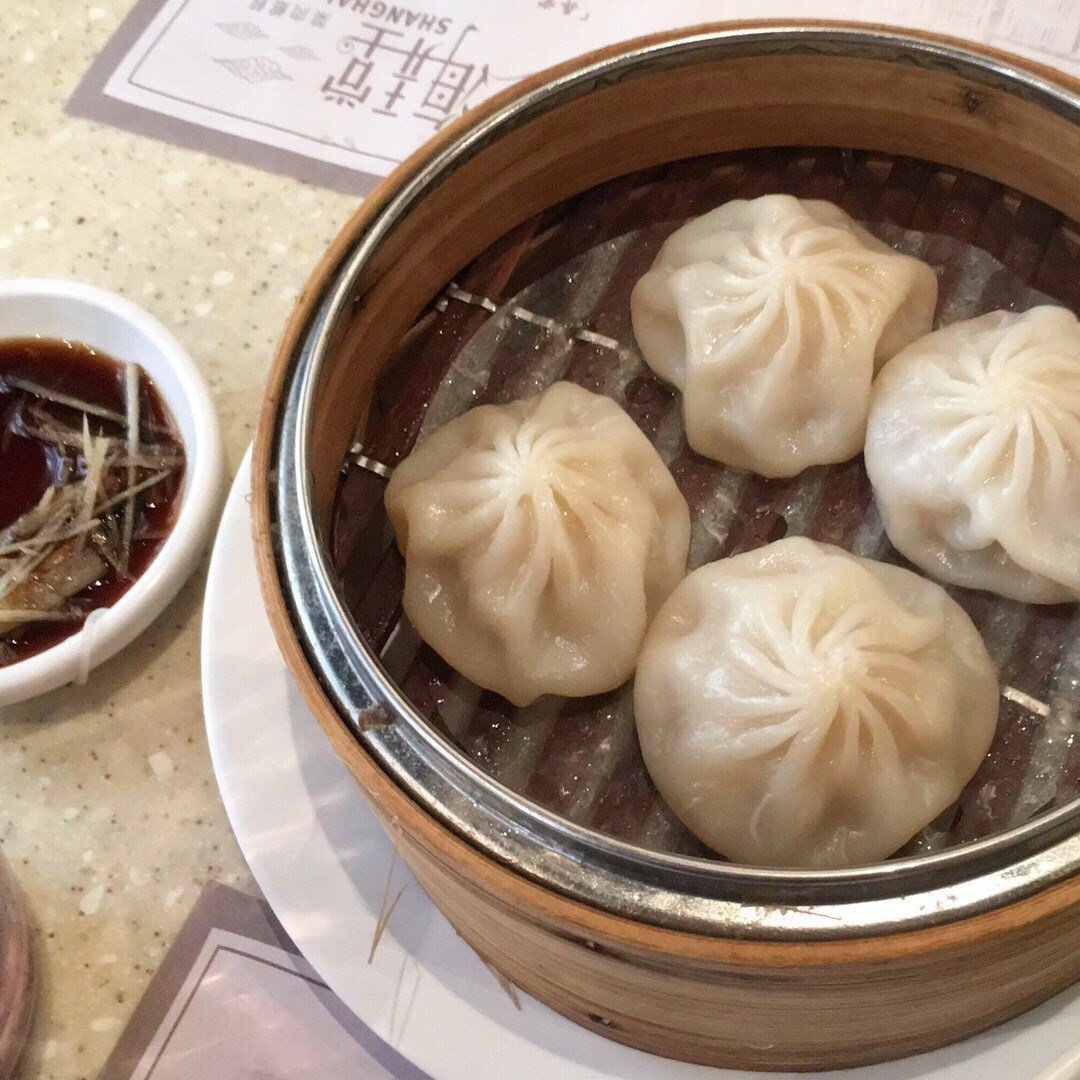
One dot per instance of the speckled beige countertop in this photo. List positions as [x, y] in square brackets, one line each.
[109, 813]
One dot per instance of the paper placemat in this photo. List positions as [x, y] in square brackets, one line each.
[234, 1000]
[338, 92]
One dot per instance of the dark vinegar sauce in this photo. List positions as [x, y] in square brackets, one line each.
[28, 467]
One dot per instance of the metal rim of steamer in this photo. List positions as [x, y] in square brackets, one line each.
[673, 891]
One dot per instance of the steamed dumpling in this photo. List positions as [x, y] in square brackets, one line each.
[539, 538]
[772, 316]
[973, 450]
[801, 707]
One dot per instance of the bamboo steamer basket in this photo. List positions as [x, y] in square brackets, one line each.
[706, 962]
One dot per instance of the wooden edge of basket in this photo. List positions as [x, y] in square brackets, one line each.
[535, 901]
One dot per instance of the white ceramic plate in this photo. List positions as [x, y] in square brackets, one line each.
[322, 860]
[57, 308]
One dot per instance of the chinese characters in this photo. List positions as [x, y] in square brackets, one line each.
[390, 73]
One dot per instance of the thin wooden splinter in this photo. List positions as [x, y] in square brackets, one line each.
[508, 987]
[385, 910]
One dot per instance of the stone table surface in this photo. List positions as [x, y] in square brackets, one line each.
[109, 813]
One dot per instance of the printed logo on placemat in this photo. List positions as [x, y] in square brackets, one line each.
[338, 92]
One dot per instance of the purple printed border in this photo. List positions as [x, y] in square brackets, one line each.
[90, 102]
[198, 984]
[223, 908]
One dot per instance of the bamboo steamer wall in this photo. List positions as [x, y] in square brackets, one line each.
[711, 999]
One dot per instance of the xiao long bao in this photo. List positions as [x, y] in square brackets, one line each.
[799, 706]
[772, 316]
[973, 451]
[539, 539]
